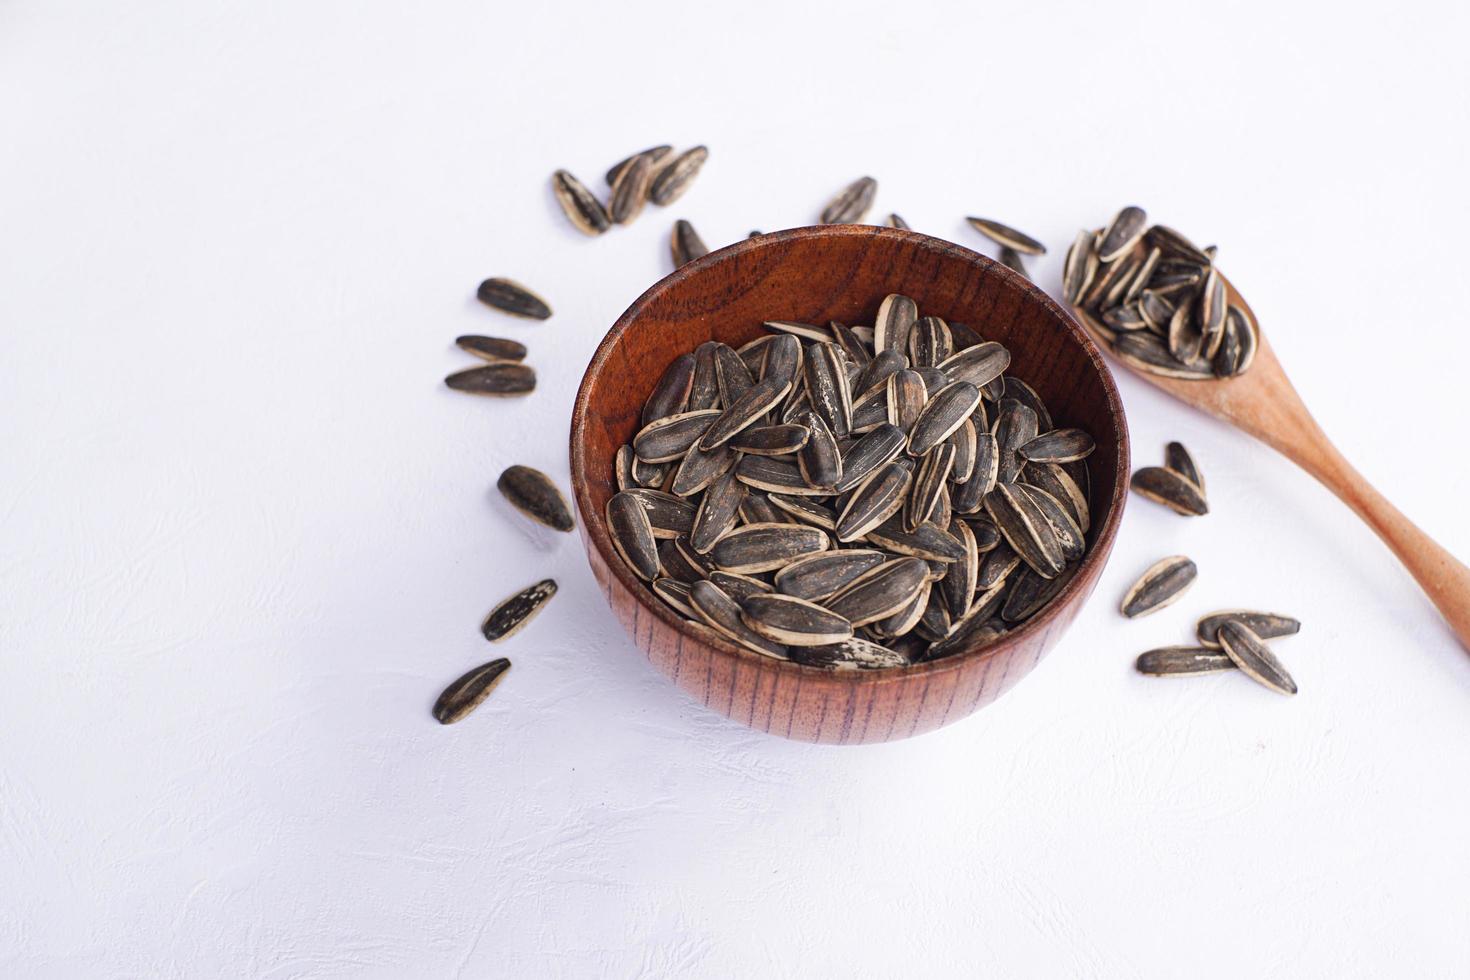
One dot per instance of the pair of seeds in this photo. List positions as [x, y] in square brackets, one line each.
[1158, 299]
[469, 691]
[1229, 640]
[654, 174]
[1178, 484]
[852, 497]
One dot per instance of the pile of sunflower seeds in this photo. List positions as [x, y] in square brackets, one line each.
[1228, 640]
[852, 497]
[1158, 300]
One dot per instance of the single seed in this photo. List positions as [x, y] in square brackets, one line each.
[704, 391]
[672, 181]
[1182, 661]
[851, 203]
[1059, 446]
[878, 499]
[1265, 625]
[1169, 488]
[671, 394]
[469, 691]
[853, 654]
[880, 592]
[676, 594]
[630, 191]
[792, 621]
[1163, 583]
[1025, 528]
[668, 515]
[927, 541]
[532, 493]
[581, 207]
[1008, 236]
[1254, 658]
[736, 586]
[499, 379]
[821, 575]
[670, 438]
[685, 245]
[511, 297]
[929, 483]
[820, 461]
[698, 469]
[755, 402]
[1122, 233]
[771, 440]
[1177, 458]
[979, 365]
[907, 394]
[896, 317]
[492, 348]
[944, 413]
[632, 535]
[775, 476]
[656, 154]
[732, 377]
[1011, 259]
[506, 619]
[722, 613]
[765, 547]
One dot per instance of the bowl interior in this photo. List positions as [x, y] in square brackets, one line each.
[840, 272]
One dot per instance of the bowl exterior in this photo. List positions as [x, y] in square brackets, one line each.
[815, 275]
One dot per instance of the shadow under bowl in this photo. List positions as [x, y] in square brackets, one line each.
[814, 275]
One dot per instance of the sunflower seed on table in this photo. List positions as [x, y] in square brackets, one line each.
[1008, 236]
[1171, 489]
[1182, 661]
[469, 691]
[685, 245]
[1058, 446]
[1178, 459]
[534, 494]
[722, 613]
[894, 221]
[511, 297]
[669, 438]
[656, 155]
[1254, 658]
[630, 191]
[1265, 625]
[491, 348]
[1161, 584]
[1011, 259]
[851, 203]
[791, 621]
[507, 618]
[579, 204]
[672, 181]
[632, 534]
[736, 586]
[499, 379]
[765, 547]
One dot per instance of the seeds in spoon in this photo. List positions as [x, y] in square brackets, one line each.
[1122, 233]
[1008, 236]
[532, 493]
[506, 619]
[511, 297]
[469, 692]
[1163, 583]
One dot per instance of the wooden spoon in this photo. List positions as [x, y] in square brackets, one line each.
[1263, 403]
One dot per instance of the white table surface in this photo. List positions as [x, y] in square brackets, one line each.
[248, 535]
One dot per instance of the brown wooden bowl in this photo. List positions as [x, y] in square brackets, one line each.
[813, 275]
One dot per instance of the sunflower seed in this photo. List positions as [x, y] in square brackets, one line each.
[903, 621]
[755, 402]
[771, 440]
[511, 297]
[1174, 491]
[783, 359]
[958, 585]
[997, 564]
[853, 654]
[736, 586]
[963, 441]
[501, 378]
[704, 391]
[1177, 458]
[673, 563]
[532, 493]
[685, 245]
[792, 621]
[880, 592]
[656, 155]
[819, 460]
[698, 469]
[1063, 526]
[806, 510]
[945, 412]
[894, 221]
[979, 365]
[511, 614]
[1058, 446]
[632, 535]
[1150, 355]
[732, 378]
[1265, 625]
[906, 397]
[975, 631]
[1182, 662]
[668, 515]
[652, 475]
[1226, 361]
[896, 318]
[623, 468]
[852, 346]
[1122, 233]
[676, 594]
[1253, 657]
[671, 394]
[672, 181]
[722, 613]
[1245, 330]
[876, 500]
[764, 547]
[1125, 318]
[1026, 529]
[930, 342]
[1184, 337]
[827, 387]
[630, 190]
[929, 482]
[717, 512]
[1015, 426]
[1029, 593]
[775, 476]
[927, 541]
[1175, 244]
[1142, 276]
[581, 207]
[1163, 583]
[849, 206]
[1059, 484]
[492, 348]
[876, 372]
[1079, 267]
[671, 437]
[1005, 235]
[877, 448]
[819, 576]
[807, 331]
[469, 691]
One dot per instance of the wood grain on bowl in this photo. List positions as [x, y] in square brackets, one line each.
[814, 275]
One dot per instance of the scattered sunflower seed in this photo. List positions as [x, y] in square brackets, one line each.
[1183, 661]
[511, 614]
[1254, 658]
[851, 204]
[685, 245]
[630, 190]
[1171, 489]
[511, 297]
[656, 155]
[672, 181]
[1265, 625]
[501, 378]
[1007, 236]
[1163, 583]
[581, 207]
[532, 493]
[469, 692]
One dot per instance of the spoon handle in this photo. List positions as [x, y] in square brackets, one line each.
[1443, 578]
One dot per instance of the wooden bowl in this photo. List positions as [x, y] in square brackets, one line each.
[813, 275]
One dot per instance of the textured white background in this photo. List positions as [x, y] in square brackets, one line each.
[246, 535]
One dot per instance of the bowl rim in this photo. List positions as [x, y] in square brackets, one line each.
[593, 523]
